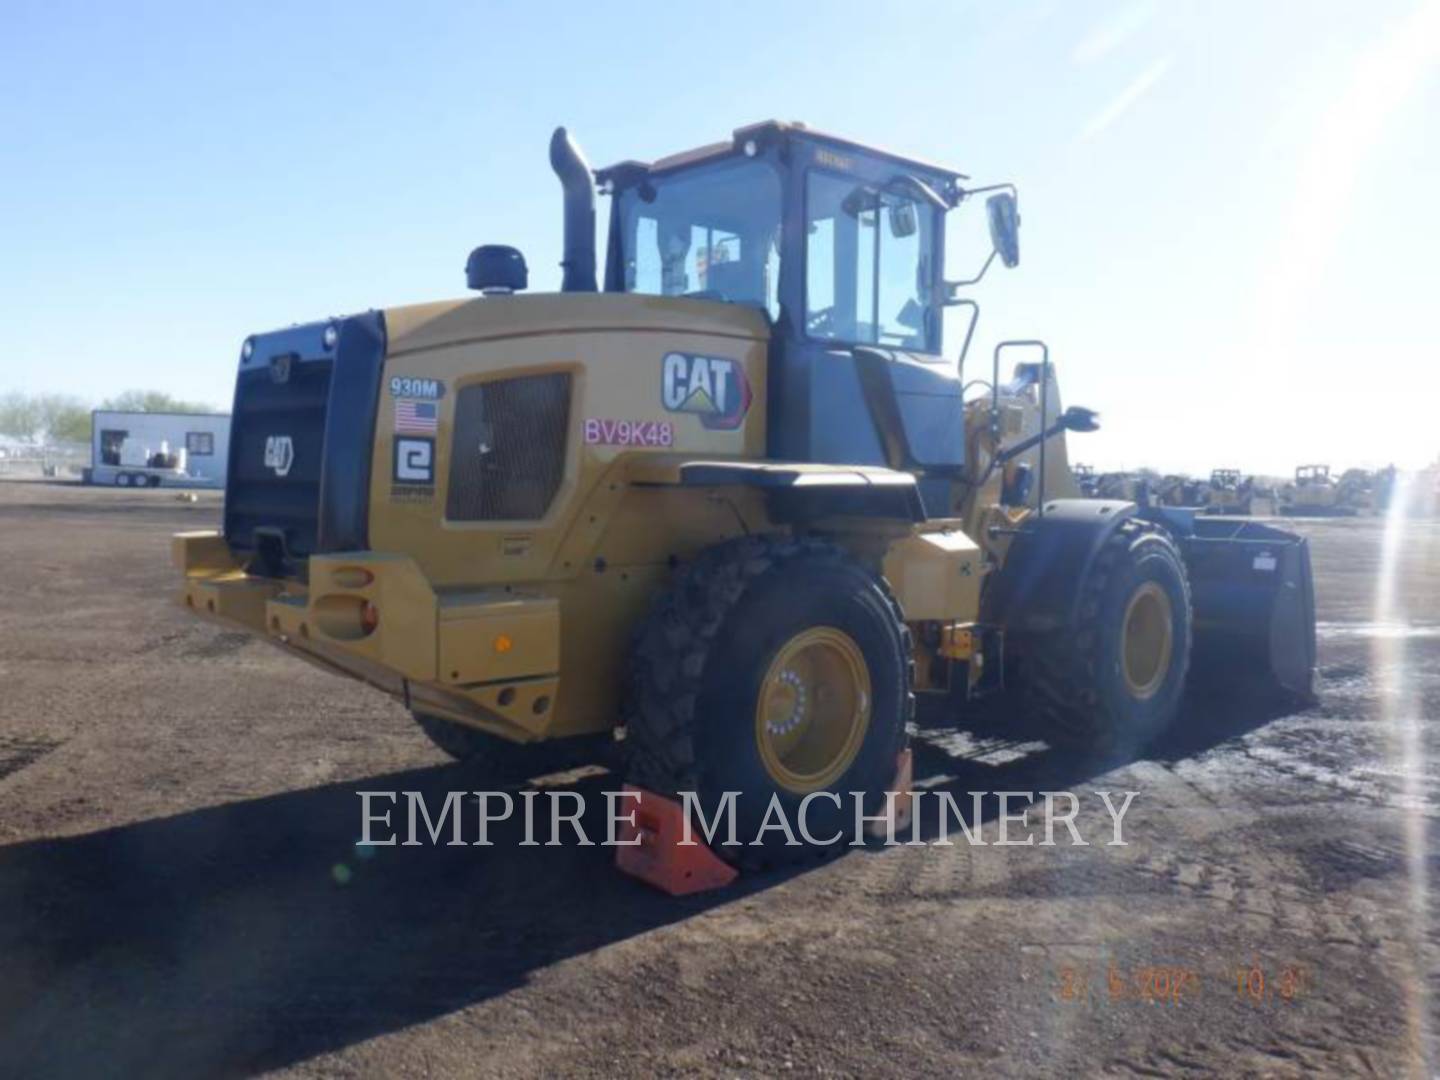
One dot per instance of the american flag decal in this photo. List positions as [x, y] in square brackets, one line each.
[416, 417]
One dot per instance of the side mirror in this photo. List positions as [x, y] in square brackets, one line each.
[1003, 215]
[1077, 418]
[903, 222]
[1004, 227]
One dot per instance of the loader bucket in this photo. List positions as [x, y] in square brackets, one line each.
[1254, 606]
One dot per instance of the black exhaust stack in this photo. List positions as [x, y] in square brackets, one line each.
[575, 177]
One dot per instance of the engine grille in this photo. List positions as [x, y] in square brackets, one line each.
[507, 456]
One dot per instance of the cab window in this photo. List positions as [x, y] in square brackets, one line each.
[869, 255]
[710, 235]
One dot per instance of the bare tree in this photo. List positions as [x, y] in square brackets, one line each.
[63, 418]
[19, 415]
[154, 401]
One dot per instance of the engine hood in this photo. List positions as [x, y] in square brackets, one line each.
[450, 322]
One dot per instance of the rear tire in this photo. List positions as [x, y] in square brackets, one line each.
[492, 759]
[1112, 682]
[123, 480]
[772, 668]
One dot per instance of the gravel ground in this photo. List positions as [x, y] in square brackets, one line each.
[180, 894]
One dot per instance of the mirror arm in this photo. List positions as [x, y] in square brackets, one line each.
[952, 286]
[965, 193]
[917, 187]
[969, 332]
[1009, 453]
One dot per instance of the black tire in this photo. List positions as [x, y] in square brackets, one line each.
[698, 665]
[1073, 681]
[491, 759]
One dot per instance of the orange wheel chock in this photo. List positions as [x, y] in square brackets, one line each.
[904, 800]
[660, 859]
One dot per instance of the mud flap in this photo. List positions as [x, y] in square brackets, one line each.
[1254, 606]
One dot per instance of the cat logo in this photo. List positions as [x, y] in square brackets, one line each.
[712, 387]
[279, 454]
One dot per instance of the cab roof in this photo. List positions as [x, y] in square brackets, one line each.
[623, 173]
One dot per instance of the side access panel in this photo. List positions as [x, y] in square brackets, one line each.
[935, 576]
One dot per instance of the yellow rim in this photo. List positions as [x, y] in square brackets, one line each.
[813, 710]
[1148, 634]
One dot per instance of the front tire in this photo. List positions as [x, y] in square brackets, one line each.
[773, 669]
[1112, 682]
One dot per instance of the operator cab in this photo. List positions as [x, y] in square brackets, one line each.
[843, 240]
[842, 246]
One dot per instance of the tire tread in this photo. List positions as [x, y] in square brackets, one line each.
[1060, 690]
[674, 644]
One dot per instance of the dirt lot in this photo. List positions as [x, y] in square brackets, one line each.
[179, 893]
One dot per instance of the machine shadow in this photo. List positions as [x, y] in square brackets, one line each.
[998, 754]
[253, 935]
[249, 936]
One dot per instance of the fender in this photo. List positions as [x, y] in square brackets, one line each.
[794, 492]
[1038, 586]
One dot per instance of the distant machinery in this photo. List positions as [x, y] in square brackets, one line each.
[1229, 493]
[1122, 485]
[1367, 491]
[1314, 494]
[1180, 490]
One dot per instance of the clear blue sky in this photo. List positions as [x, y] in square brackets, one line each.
[1230, 218]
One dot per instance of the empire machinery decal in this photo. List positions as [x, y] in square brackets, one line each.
[412, 477]
[714, 388]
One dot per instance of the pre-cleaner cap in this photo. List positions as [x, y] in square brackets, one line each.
[496, 268]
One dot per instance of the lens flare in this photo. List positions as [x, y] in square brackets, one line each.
[1400, 714]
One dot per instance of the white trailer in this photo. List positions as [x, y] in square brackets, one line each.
[148, 449]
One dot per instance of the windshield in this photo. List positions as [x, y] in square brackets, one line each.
[868, 264]
[711, 234]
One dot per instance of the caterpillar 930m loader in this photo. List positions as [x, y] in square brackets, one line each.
[736, 503]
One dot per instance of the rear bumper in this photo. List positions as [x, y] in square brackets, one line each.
[489, 658]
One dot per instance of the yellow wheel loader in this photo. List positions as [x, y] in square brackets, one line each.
[1314, 494]
[1176, 490]
[1229, 493]
[735, 503]
[1364, 491]
[1125, 487]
